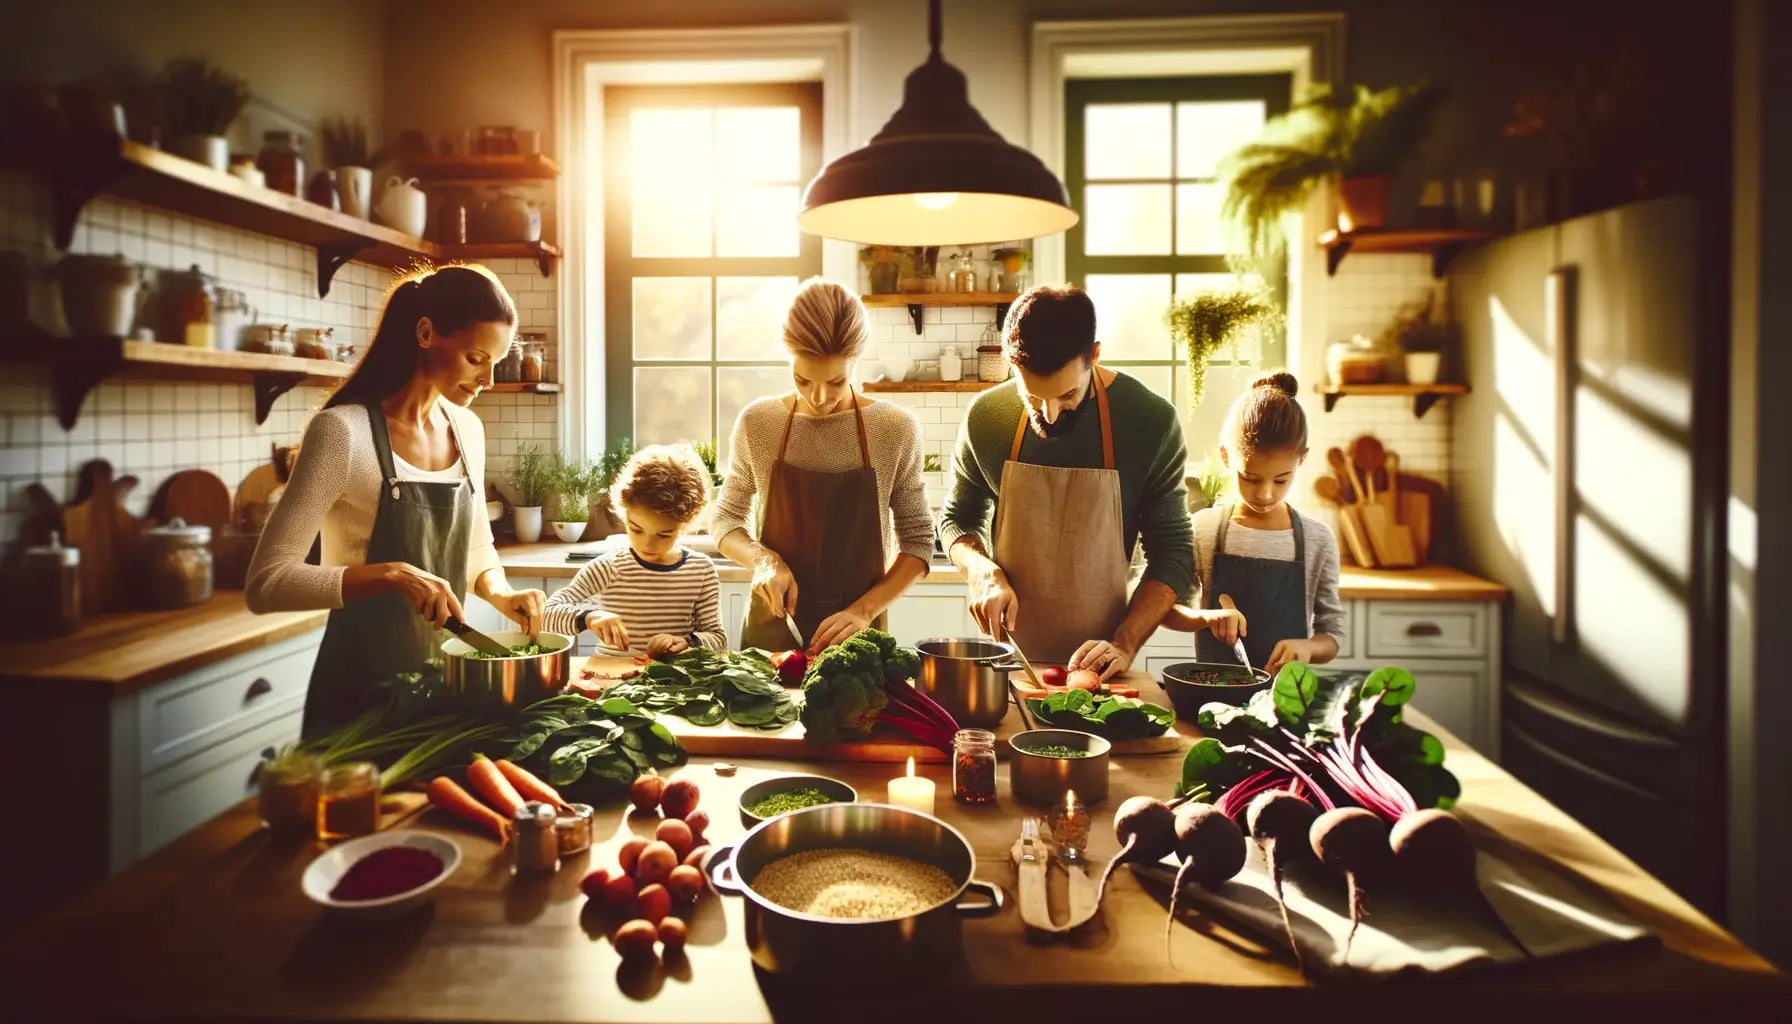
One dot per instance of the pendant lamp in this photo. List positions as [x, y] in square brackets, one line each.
[937, 174]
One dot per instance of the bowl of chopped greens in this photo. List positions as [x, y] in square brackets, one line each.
[1192, 684]
[763, 801]
[538, 667]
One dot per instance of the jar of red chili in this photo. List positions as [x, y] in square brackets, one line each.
[974, 766]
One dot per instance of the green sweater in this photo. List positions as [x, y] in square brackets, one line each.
[1148, 453]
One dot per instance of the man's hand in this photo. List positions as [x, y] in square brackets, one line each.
[994, 605]
[1104, 656]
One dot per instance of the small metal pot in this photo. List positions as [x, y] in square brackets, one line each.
[787, 942]
[515, 682]
[968, 677]
[1045, 779]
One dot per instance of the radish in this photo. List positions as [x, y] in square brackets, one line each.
[1212, 850]
[1279, 820]
[1354, 841]
[1146, 829]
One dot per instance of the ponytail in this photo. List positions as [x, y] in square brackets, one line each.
[453, 298]
[1266, 417]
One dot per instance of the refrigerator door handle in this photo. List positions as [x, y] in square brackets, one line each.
[1559, 297]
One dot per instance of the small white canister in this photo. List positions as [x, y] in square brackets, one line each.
[951, 367]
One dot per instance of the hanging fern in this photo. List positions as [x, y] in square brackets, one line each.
[1207, 321]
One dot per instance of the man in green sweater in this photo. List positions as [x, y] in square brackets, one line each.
[1079, 462]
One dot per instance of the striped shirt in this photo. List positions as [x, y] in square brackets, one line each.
[683, 599]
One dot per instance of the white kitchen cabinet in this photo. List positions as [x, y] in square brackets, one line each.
[733, 602]
[932, 610]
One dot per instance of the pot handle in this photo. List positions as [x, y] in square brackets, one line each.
[993, 902]
[720, 870]
[1007, 666]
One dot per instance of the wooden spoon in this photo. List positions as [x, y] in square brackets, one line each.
[1369, 456]
[1341, 466]
[1329, 490]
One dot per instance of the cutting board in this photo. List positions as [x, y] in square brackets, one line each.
[106, 532]
[791, 742]
[196, 497]
[252, 496]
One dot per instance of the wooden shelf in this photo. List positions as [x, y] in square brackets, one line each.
[538, 387]
[917, 386]
[79, 365]
[523, 167]
[918, 301]
[543, 253]
[77, 173]
[1441, 243]
[1424, 396]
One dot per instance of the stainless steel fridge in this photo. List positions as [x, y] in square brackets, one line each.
[1588, 464]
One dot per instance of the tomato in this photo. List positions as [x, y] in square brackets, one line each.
[791, 665]
[1052, 676]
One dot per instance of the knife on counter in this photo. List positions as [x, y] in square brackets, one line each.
[1238, 644]
[475, 639]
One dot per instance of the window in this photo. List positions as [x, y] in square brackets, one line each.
[1140, 162]
[701, 251]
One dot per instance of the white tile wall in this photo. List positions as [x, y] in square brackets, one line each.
[511, 419]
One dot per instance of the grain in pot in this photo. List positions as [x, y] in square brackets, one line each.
[853, 884]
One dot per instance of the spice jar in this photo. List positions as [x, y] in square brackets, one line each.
[184, 308]
[991, 365]
[964, 273]
[52, 576]
[572, 829]
[281, 162]
[535, 847]
[951, 366]
[348, 801]
[974, 766]
[316, 343]
[177, 565]
[534, 366]
[289, 788]
[509, 369]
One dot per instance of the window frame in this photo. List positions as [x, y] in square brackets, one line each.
[622, 267]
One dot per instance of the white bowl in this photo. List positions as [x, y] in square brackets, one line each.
[324, 872]
[568, 532]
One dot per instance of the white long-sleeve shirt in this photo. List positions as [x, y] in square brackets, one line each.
[335, 491]
[683, 599]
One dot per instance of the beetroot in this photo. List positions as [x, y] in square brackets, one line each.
[1280, 820]
[1146, 829]
[1354, 841]
[1212, 851]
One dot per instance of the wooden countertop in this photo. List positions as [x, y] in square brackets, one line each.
[215, 925]
[1429, 583]
[131, 650]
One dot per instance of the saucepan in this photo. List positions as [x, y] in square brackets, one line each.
[513, 682]
[1191, 684]
[968, 677]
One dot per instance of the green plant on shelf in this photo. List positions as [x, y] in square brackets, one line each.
[199, 98]
[345, 144]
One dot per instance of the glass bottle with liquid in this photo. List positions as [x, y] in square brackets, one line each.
[348, 801]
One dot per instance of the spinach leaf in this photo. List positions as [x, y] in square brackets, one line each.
[1210, 768]
[1114, 718]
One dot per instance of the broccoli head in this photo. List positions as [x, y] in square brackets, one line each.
[901, 665]
[885, 643]
[841, 705]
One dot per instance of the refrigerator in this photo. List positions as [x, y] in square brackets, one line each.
[1589, 467]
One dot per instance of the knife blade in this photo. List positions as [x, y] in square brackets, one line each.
[475, 639]
[790, 620]
[1025, 665]
[1237, 644]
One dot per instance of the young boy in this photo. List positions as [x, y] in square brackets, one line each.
[651, 597]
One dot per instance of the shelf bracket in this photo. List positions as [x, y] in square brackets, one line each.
[1422, 403]
[74, 182]
[914, 314]
[269, 386]
[330, 258]
[1001, 316]
[544, 262]
[1331, 399]
[78, 369]
[1334, 255]
[1440, 259]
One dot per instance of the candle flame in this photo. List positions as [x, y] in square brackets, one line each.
[911, 767]
[1069, 799]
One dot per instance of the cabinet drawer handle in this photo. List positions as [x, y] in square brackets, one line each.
[255, 773]
[259, 688]
[1424, 629]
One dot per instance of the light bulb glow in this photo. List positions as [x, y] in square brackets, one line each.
[935, 200]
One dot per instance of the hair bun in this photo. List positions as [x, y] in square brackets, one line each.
[1281, 380]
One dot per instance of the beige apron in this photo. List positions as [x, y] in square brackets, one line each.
[1059, 538]
[828, 527]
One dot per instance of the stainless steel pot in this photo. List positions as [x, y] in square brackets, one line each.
[787, 942]
[509, 681]
[1045, 779]
[968, 677]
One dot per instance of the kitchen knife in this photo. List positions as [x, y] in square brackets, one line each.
[790, 620]
[1238, 644]
[477, 640]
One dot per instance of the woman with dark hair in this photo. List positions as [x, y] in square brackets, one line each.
[391, 473]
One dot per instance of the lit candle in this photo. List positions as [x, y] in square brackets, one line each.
[1069, 822]
[913, 793]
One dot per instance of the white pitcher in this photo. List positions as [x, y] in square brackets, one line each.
[403, 206]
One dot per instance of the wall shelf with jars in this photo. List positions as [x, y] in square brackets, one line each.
[922, 276]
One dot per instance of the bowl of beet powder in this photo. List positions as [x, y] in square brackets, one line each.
[381, 875]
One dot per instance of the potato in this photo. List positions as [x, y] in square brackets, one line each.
[685, 883]
[619, 892]
[672, 934]
[698, 820]
[655, 902]
[1084, 679]
[593, 884]
[680, 798]
[677, 835]
[635, 939]
[657, 862]
[644, 793]
[630, 853]
[697, 856]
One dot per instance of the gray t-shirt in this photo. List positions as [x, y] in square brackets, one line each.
[1323, 605]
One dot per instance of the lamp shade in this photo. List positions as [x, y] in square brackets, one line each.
[937, 174]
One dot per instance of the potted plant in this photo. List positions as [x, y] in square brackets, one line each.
[575, 482]
[1207, 321]
[1353, 136]
[1422, 341]
[1209, 484]
[345, 149]
[532, 477]
[603, 521]
[201, 101]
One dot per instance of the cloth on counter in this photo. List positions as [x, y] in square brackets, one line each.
[683, 599]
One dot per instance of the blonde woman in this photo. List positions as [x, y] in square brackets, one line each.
[843, 526]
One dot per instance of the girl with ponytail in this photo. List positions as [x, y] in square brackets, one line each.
[391, 474]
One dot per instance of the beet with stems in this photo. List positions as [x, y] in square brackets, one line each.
[1212, 850]
[1146, 829]
[1354, 841]
[1279, 820]
[1433, 849]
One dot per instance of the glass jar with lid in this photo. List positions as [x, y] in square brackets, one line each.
[509, 369]
[51, 574]
[974, 766]
[177, 565]
[282, 162]
[534, 368]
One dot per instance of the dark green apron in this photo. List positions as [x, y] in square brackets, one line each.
[1270, 592]
[429, 525]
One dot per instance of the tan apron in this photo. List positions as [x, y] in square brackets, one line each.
[1059, 538]
[828, 527]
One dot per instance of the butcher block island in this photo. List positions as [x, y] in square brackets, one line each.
[219, 924]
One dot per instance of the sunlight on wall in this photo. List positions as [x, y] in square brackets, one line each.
[1643, 637]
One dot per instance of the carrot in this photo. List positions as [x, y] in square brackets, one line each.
[490, 783]
[447, 795]
[528, 785]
